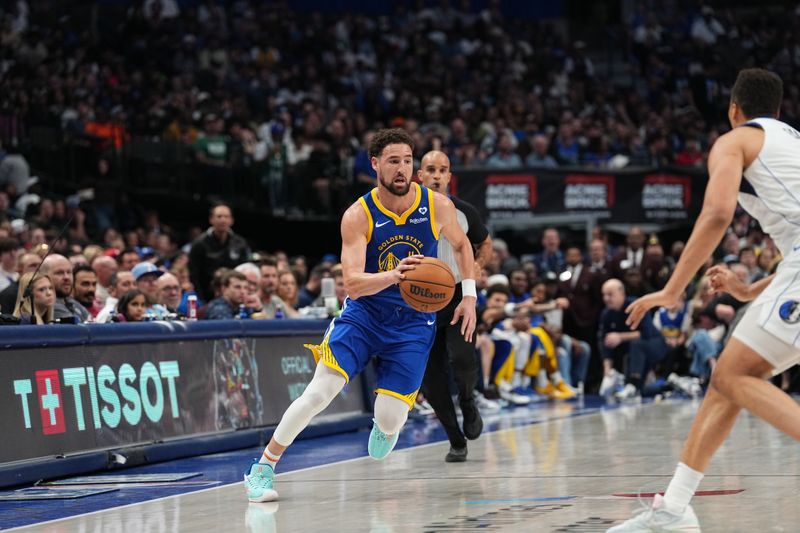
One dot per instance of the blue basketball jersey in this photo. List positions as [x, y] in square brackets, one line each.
[392, 237]
[671, 325]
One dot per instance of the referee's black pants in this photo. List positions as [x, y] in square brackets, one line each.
[450, 351]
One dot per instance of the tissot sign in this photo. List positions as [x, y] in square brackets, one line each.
[626, 196]
[66, 400]
[111, 395]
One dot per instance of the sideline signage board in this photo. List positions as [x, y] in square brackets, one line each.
[71, 399]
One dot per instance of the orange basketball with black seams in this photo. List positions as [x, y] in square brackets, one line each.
[429, 287]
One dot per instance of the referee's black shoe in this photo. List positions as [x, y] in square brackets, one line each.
[473, 423]
[456, 455]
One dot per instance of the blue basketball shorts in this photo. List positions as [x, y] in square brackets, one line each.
[400, 338]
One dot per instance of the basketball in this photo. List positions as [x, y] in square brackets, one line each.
[429, 287]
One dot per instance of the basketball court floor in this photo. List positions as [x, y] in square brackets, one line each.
[551, 468]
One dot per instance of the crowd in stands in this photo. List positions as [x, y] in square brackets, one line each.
[566, 303]
[570, 306]
[299, 93]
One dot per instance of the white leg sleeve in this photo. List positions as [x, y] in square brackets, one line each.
[390, 413]
[324, 387]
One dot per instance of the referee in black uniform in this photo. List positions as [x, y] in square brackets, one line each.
[449, 347]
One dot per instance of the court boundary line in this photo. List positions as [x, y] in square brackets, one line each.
[587, 412]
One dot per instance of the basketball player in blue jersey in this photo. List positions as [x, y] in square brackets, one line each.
[766, 153]
[384, 234]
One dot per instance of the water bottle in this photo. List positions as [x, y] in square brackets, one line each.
[191, 307]
[242, 311]
[279, 312]
[328, 294]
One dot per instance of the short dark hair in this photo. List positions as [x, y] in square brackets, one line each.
[233, 274]
[269, 261]
[8, 244]
[384, 138]
[126, 251]
[758, 92]
[497, 287]
[81, 268]
[114, 278]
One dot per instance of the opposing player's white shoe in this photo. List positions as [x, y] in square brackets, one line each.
[657, 518]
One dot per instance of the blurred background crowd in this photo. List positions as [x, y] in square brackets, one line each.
[288, 98]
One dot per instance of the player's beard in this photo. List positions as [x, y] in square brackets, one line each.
[395, 189]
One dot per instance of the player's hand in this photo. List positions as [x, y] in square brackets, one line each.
[466, 313]
[641, 306]
[408, 263]
[722, 279]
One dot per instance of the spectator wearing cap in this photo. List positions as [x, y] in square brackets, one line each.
[9, 247]
[120, 283]
[146, 276]
[218, 247]
[234, 290]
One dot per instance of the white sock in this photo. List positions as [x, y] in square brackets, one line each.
[682, 487]
[269, 458]
[556, 377]
[541, 379]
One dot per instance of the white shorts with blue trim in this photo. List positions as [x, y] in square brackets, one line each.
[771, 325]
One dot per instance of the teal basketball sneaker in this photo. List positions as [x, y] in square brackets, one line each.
[380, 444]
[258, 483]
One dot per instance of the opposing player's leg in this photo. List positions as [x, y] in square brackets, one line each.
[324, 387]
[740, 367]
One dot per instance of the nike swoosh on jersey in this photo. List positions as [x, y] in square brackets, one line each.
[431, 322]
[379, 224]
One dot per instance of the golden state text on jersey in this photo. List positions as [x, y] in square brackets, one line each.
[392, 237]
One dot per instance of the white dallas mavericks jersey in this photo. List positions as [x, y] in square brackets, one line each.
[770, 191]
